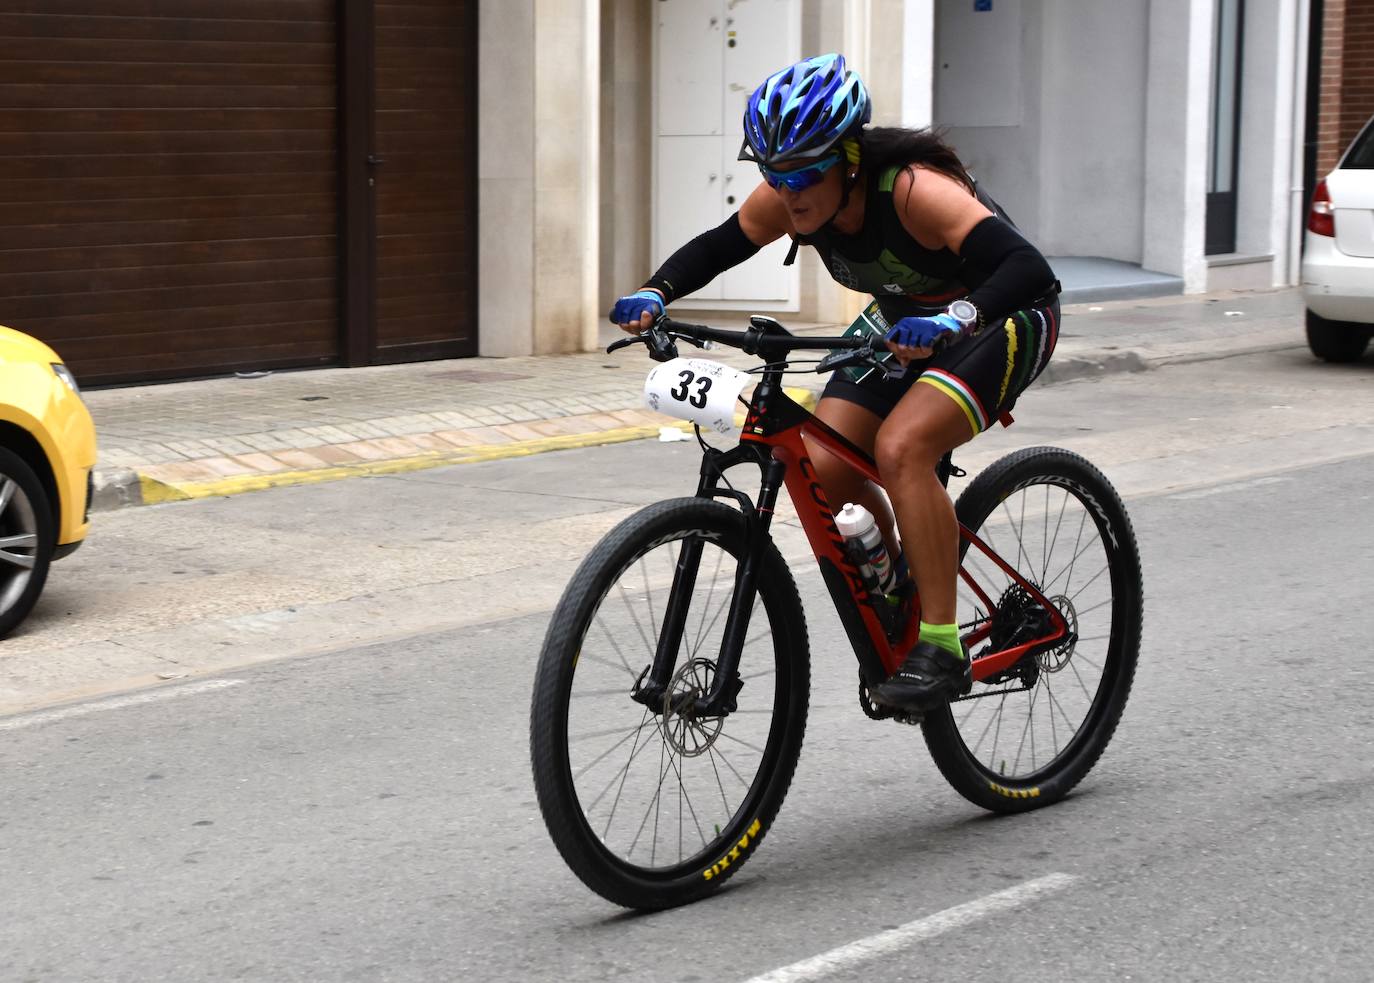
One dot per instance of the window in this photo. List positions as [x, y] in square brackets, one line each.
[1223, 163]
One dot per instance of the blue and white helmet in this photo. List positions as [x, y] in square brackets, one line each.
[803, 111]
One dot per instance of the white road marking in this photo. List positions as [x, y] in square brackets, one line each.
[118, 703]
[1231, 486]
[899, 938]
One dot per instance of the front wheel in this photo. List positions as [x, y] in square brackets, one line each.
[653, 806]
[1026, 737]
[27, 535]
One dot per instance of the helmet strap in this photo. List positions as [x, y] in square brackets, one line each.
[850, 182]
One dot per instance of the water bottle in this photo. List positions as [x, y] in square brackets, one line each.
[865, 539]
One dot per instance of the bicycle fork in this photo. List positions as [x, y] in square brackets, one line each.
[652, 687]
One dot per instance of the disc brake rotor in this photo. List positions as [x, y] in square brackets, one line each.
[1055, 659]
[686, 733]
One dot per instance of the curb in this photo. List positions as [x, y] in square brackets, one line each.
[117, 488]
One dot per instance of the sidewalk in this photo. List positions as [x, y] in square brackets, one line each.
[224, 436]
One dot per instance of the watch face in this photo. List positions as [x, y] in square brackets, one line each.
[964, 312]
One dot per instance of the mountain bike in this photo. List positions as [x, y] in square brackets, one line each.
[670, 696]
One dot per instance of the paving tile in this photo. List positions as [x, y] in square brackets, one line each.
[430, 442]
[520, 431]
[335, 454]
[458, 438]
[330, 434]
[264, 442]
[182, 471]
[225, 467]
[365, 450]
[490, 435]
[398, 446]
[228, 445]
[564, 426]
[298, 460]
[263, 463]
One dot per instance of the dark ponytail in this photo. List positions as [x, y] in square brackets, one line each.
[895, 146]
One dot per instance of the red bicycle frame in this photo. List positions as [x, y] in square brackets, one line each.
[774, 436]
[786, 444]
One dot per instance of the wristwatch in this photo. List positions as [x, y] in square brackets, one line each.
[969, 317]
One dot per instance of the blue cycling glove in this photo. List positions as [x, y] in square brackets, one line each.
[628, 309]
[922, 332]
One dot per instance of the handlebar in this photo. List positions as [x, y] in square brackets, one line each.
[764, 337]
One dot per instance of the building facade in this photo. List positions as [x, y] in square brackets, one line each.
[1165, 134]
[208, 186]
[202, 186]
[1341, 86]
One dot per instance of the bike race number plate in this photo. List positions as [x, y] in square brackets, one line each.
[696, 389]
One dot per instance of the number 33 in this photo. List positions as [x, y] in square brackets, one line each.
[697, 399]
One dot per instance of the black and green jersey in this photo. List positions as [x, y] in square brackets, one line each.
[882, 259]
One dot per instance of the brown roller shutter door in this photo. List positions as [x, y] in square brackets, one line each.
[424, 125]
[168, 200]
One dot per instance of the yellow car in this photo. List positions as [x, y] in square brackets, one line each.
[47, 456]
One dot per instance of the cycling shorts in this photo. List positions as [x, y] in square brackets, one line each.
[983, 374]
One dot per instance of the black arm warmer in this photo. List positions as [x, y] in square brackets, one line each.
[698, 263]
[1017, 273]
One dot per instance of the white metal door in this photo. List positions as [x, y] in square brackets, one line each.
[711, 56]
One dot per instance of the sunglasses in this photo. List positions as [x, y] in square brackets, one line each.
[802, 178]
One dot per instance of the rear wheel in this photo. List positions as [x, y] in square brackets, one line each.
[1336, 341]
[654, 806]
[1026, 737]
[27, 536]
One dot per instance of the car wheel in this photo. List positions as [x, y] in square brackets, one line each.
[1336, 341]
[27, 536]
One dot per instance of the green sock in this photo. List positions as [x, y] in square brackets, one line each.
[945, 636]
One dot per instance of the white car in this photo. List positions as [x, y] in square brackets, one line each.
[1338, 263]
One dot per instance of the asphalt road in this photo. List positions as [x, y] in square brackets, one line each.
[367, 813]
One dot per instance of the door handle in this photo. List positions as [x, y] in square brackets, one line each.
[374, 161]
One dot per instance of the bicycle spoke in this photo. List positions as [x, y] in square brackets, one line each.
[1099, 604]
[1049, 698]
[1068, 722]
[651, 646]
[993, 717]
[1021, 747]
[635, 750]
[649, 598]
[653, 808]
[1081, 684]
[726, 761]
[608, 732]
[737, 740]
[997, 734]
[624, 663]
[706, 605]
[1080, 657]
[682, 795]
[1057, 525]
[1016, 531]
[1045, 539]
[1079, 548]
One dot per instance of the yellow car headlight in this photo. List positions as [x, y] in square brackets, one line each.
[65, 374]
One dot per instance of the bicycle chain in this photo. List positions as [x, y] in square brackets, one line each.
[874, 712]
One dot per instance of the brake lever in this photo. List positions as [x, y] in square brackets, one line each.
[843, 359]
[659, 342]
[661, 345]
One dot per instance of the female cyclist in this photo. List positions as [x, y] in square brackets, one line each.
[893, 213]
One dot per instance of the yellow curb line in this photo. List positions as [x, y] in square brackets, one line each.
[155, 492]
